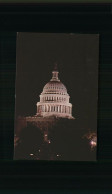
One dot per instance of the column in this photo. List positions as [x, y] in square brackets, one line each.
[42, 108]
[65, 109]
[61, 109]
[70, 110]
[46, 108]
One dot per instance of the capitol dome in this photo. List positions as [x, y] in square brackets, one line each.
[55, 87]
[54, 99]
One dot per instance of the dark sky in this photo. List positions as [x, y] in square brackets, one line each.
[77, 56]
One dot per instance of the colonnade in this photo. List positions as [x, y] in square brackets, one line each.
[54, 98]
[54, 108]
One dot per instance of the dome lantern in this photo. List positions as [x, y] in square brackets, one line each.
[55, 74]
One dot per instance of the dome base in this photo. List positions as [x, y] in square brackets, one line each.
[57, 115]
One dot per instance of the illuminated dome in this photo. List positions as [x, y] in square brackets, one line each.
[54, 99]
[54, 87]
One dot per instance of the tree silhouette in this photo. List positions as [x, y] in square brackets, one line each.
[31, 138]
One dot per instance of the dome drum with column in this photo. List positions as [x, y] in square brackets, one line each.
[54, 99]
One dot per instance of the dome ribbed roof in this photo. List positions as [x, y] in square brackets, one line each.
[54, 87]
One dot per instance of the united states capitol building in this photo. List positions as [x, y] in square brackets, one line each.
[54, 100]
[53, 109]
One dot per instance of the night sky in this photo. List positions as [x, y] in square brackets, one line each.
[77, 56]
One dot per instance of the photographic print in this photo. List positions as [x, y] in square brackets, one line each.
[56, 96]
